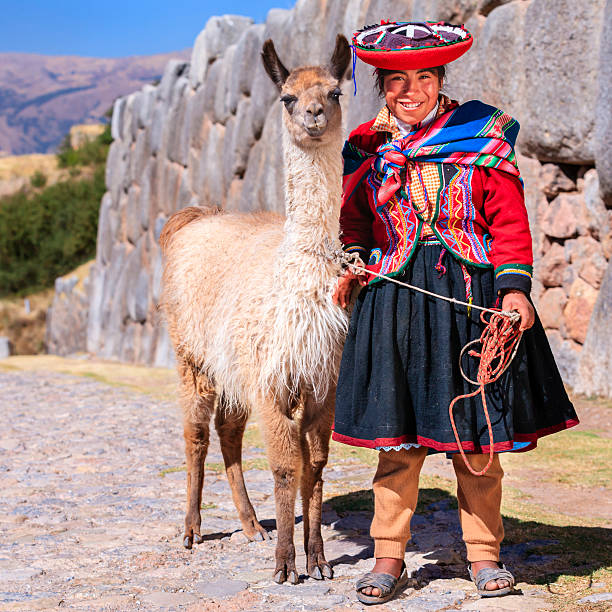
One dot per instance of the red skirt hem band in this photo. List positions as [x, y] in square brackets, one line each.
[452, 446]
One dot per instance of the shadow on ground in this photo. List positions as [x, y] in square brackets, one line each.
[535, 551]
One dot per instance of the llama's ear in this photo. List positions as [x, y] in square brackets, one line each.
[274, 67]
[340, 58]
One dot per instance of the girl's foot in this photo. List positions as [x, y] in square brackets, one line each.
[492, 585]
[384, 565]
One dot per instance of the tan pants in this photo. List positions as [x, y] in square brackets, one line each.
[395, 497]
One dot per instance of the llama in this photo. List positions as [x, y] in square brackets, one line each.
[248, 301]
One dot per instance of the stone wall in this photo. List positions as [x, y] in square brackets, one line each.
[66, 325]
[210, 133]
[66, 331]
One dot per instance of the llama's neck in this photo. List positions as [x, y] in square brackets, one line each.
[313, 190]
[305, 343]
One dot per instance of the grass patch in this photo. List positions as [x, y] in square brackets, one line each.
[363, 500]
[256, 464]
[583, 555]
[215, 466]
[355, 501]
[252, 437]
[247, 464]
[517, 505]
[100, 378]
[218, 467]
[161, 383]
[433, 489]
[172, 470]
[601, 402]
[572, 458]
[338, 451]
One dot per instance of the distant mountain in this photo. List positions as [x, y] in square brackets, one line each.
[41, 96]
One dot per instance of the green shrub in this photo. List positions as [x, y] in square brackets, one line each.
[91, 153]
[47, 234]
[38, 179]
[66, 155]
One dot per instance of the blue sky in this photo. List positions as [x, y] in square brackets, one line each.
[114, 28]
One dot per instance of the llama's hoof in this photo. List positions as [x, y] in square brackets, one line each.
[254, 532]
[293, 577]
[282, 576]
[197, 538]
[255, 535]
[187, 542]
[323, 570]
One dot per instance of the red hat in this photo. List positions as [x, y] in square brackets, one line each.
[411, 45]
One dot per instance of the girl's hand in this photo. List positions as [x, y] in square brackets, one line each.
[517, 300]
[344, 288]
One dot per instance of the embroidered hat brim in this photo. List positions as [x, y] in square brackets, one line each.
[411, 45]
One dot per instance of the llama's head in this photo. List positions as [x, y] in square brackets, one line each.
[311, 94]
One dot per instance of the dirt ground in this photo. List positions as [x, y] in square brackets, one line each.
[92, 490]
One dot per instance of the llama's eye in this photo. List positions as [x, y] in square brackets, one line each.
[335, 94]
[288, 101]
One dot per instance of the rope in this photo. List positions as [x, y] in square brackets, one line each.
[513, 316]
[499, 340]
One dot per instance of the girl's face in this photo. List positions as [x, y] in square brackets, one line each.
[411, 94]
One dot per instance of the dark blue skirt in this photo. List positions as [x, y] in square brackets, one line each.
[400, 368]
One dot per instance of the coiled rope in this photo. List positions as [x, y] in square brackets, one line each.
[499, 343]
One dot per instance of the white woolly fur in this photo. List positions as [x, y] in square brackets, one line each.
[249, 301]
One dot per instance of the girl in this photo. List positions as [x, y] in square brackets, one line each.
[433, 198]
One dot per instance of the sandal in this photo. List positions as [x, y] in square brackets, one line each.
[387, 584]
[489, 574]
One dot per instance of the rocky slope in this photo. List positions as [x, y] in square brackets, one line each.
[41, 96]
[17, 172]
[210, 133]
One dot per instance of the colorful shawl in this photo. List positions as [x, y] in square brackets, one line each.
[470, 134]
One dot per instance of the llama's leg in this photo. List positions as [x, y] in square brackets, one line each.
[284, 455]
[230, 423]
[197, 401]
[315, 449]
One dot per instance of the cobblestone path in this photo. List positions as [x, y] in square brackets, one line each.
[91, 509]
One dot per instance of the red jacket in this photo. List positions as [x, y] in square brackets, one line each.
[478, 213]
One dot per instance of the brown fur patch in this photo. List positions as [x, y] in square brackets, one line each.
[307, 77]
[180, 219]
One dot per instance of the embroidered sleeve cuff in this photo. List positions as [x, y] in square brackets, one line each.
[513, 276]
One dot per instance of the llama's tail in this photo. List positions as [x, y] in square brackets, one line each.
[180, 219]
